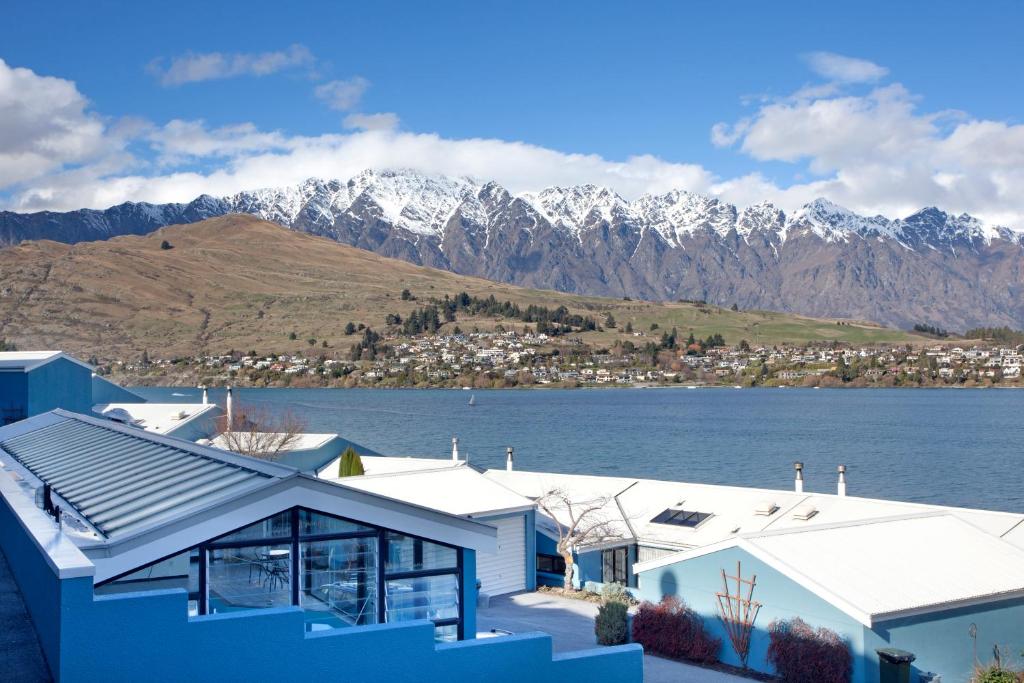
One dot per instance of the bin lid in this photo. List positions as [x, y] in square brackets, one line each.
[891, 654]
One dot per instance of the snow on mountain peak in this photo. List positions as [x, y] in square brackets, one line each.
[571, 208]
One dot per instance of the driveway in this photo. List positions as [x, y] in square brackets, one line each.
[571, 625]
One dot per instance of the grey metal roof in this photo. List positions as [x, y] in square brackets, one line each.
[121, 480]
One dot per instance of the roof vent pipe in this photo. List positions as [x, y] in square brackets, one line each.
[798, 484]
[508, 459]
[206, 396]
[842, 480]
[455, 449]
[230, 411]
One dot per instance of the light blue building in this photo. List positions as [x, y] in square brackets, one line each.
[33, 382]
[166, 560]
[930, 583]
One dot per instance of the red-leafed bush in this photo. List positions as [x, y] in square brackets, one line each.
[803, 654]
[671, 629]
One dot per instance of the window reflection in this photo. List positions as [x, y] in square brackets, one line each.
[406, 553]
[339, 582]
[426, 597]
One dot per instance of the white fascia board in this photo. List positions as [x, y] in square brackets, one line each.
[484, 515]
[116, 558]
[63, 556]
[943, 606]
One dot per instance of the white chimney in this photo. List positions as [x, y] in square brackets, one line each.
[229, 408]
[206, 396]
[798, 485]
[842, 480]
[455, 449]
[508, 459]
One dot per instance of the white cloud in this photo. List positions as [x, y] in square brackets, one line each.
[844, 69]
[874, 151]
[381, 121]
[46, 124]
[194, 67]
[343, 95]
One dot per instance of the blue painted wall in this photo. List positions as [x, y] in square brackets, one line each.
[59, 384]
[105, 391]
[148, 636]
[469, 593]
[696, 582]
[589, 565]
[940, 640]
[13, 395]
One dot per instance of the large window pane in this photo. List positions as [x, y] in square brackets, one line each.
[249, 577]
[180, 571]
[427, 597]
[339, 582]
[406, 553]
[278, 526]
[315, 524]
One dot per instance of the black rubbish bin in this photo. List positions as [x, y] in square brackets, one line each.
[894, 665]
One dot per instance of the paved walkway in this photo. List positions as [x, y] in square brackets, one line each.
[20, 657]
[571, 625]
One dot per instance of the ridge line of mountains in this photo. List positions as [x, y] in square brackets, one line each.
[822, 260]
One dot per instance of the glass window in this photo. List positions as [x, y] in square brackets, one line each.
[180, 571]
[406, 554]
[278, 526]
[446, 634]
[553, 564]
[249, 577]
[613, 565]
[315, 524]
[425, 597]
[338, 582]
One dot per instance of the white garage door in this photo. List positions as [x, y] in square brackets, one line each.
[504, 571]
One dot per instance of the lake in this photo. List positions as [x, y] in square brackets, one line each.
[953, 447]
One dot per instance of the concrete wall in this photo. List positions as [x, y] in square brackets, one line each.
[697, 581]
[59, 384]
[148, 636]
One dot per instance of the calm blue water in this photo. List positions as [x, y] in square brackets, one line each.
[954, 447]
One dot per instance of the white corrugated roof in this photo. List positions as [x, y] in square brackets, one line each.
[29, 360]
[886, 568]
[455, 490]
[159, 418]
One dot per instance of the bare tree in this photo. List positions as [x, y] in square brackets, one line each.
[578, 523]
[258, 433]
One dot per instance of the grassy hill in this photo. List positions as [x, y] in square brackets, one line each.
[239, 282]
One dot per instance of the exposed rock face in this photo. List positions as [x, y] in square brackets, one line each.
[823, 260]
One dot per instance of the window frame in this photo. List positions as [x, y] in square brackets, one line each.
[295, 538]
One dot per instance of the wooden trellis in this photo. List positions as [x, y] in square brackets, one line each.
[738, 611]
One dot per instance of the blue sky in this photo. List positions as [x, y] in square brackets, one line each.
[198, 96]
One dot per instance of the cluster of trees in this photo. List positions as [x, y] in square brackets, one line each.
[552, 322]
[7, 345]
[1003, 335]
[369, 347]
[670, 341]
[420, 321]
[931, 329]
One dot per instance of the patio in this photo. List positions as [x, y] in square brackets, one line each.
[571, 625]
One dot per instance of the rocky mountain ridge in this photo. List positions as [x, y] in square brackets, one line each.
[822, 260]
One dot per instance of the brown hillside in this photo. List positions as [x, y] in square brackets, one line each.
[239, 282]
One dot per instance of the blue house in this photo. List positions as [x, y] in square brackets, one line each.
[931, 584]
[33, 382]
[145, 557]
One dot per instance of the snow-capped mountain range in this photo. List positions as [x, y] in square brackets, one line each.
[931, 267]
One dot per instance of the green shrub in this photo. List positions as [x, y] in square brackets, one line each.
[350, 465]
[996, 674]
[615, 592]
[610, 623]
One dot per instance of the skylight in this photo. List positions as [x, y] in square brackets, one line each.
[684, 518]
